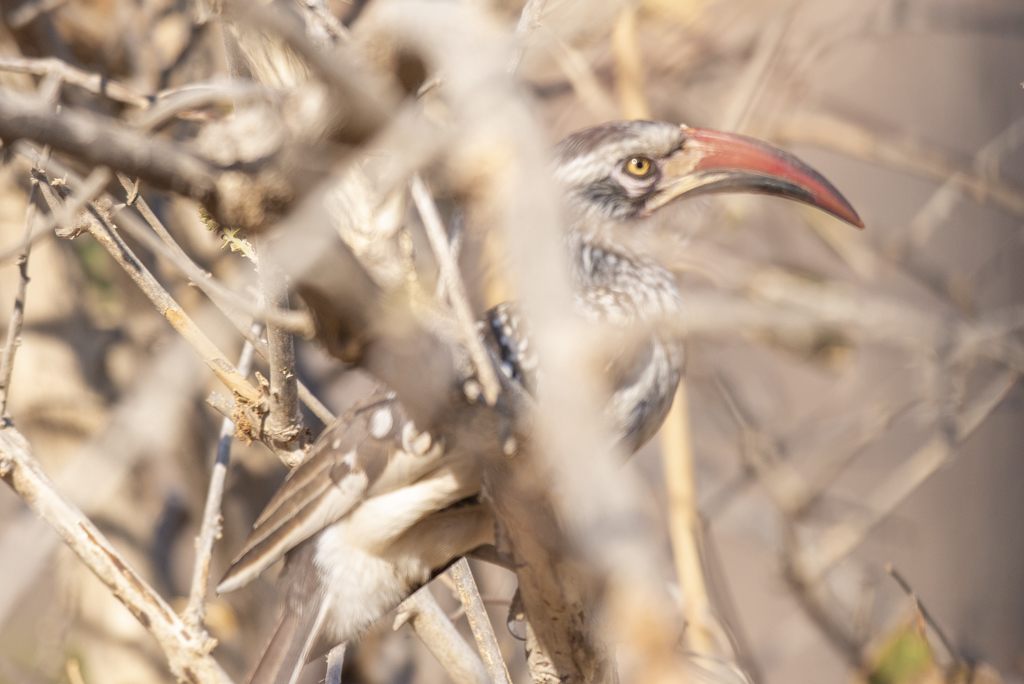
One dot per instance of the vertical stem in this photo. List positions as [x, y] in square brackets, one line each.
[629, 68]
[684, 523]
[284, 422]
[529, 20]
[210, 529]
[479, 622]
[18, 313]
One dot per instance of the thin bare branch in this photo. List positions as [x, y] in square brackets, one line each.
[479, 622]
[439, 635]
[187, 650]
[684, 525]
[204, 281]
[833, 132]
[455, 288]
[836, 543]
[91, 82]
[529, 22]
[13, 338]
[105, 234]
[89, 189]
[210, 527]
[925, 613]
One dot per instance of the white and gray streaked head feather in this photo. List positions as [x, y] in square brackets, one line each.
[592, 154]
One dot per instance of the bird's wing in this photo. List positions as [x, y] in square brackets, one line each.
[350, 459]
[372, 450]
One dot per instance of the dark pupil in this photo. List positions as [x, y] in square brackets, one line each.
[639, 164]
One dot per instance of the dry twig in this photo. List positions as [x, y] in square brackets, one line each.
[187, 650]
[439, 635]
[210, 527]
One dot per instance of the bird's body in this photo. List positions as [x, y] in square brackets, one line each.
[379, 507]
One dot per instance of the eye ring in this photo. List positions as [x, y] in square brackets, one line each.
[639, 166]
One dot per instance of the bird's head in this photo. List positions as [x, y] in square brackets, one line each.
[624, 171]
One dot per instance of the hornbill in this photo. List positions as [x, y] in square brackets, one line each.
[377, 508]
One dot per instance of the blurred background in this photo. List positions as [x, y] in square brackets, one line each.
[828, 467]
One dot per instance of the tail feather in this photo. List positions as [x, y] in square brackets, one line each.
[299, 629]
[289, 649]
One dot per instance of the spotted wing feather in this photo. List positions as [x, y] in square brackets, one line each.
[346, 461]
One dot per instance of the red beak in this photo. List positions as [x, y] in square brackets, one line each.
[712, 161]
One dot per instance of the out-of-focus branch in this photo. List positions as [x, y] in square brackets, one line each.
[772, 302]
[839, 541]
[280, 52]
[569, 555]
[479, 623]
[529, 21]
[584, 81]
[439, 635]
[91, 82]
[455, 288]
[925, 613]
[253, 181]
[210, 527]
[629, 70]
[684, 524]
[186, 650]
[77, 132]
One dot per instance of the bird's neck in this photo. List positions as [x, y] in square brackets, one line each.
[620, 287]
[628, 290]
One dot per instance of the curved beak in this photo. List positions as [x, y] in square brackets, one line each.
[712, 161]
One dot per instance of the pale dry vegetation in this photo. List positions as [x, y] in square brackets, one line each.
[836, 494]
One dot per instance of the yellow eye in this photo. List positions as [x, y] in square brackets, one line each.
[639, 167]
